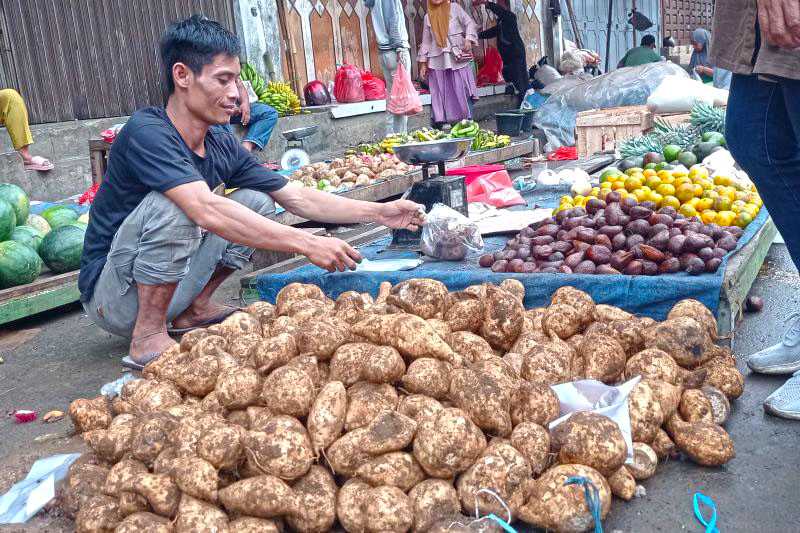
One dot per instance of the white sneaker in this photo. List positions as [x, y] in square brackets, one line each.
[782, 358]
[785, 402]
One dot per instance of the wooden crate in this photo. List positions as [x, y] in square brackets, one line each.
[601, 130]
[98, 158]
[47, 292]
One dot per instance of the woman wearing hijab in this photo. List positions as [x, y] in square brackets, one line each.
[448, 36]
[701, 65]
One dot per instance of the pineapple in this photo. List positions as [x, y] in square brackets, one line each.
[707, 118]
[683, 135]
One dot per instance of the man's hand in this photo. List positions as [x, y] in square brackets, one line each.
[423, 70]
[332, 254]
[401, 214]
[244, 109]
[780, 22]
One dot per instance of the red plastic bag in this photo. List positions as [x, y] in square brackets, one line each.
[404, 99]
[563, 153]
[491, 73]
[374, 88]
[88, 195]
[493, 188]
[348, 87]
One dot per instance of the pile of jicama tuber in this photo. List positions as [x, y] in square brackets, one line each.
[391, 414]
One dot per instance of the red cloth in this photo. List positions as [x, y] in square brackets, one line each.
[564, 153]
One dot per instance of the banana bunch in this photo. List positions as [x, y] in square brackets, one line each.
[387, 145]
[487, 139]
[281, 96]
[465, 128]
[256, 81]
[427, 134]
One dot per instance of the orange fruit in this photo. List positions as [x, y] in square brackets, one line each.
[722, 204]
[664, 174]
[685, 192]
[632, 183]
[704, 204]
[710, 194]
[722, 180]
[670, 201]
[687, 210]
[725, 218]
[617, 185]
[649, 173]
[743, 219]
[655, 198]
[666, 189]
[640, 194]
[653, 182]
[708, 216]
[698, 190]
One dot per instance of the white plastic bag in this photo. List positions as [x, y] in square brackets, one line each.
[449, 235]
[676, 94]
[595, 396]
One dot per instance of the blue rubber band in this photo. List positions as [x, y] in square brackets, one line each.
[505, 525]
[701, 499]
[592, 496]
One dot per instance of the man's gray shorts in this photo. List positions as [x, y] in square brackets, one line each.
[158, 244]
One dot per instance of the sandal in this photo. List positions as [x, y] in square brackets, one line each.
[39, 163]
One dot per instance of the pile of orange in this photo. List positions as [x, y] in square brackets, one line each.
[718, 200]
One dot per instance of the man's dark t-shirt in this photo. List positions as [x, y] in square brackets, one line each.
[150, 155]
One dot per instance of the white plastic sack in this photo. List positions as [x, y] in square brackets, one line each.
[676, 94]
[25, 498]
[595, 396]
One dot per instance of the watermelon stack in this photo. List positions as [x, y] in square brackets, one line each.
[54, 238]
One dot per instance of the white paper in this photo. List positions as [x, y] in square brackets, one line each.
[388, 265]
[595, 396]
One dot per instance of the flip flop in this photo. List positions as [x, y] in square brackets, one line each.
[210, 322]
[128, 361]
[39, 163]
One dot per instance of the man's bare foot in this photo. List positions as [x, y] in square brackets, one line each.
[202, 314]
[144, 346]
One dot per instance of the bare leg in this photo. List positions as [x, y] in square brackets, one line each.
[247, 145]
[203, 308]
[150, 332]
[26, 155]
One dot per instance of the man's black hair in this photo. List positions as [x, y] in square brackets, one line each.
[195, 42]
[648, 40]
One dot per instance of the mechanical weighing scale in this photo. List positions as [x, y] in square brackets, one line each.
[434, 188]
[295, 155]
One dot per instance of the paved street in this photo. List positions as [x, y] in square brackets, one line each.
[55, 358]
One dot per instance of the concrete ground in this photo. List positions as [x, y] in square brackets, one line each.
[55, 358]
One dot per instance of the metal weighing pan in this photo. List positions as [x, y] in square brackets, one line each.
[424, 153]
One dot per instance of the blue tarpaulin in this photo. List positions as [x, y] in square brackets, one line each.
[643, 295]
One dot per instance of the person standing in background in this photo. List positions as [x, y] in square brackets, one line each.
[389, 23]
[14, 116]
[701, 65]
[759, 42]
[509, 44]
[444, 56]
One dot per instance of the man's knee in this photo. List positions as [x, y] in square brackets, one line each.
[257, 201]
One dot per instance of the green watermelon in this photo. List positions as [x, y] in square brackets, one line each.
[38, 222]
[19, 264]
[59, 215]
[8, 220]
[15, 196]
[61, 248]
[28, 236]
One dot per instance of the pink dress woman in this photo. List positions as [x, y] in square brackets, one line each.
[446, 59]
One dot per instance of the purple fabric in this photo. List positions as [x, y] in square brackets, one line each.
[450, 93]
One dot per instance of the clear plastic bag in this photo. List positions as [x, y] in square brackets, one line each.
[449, 235]
[622, 87]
